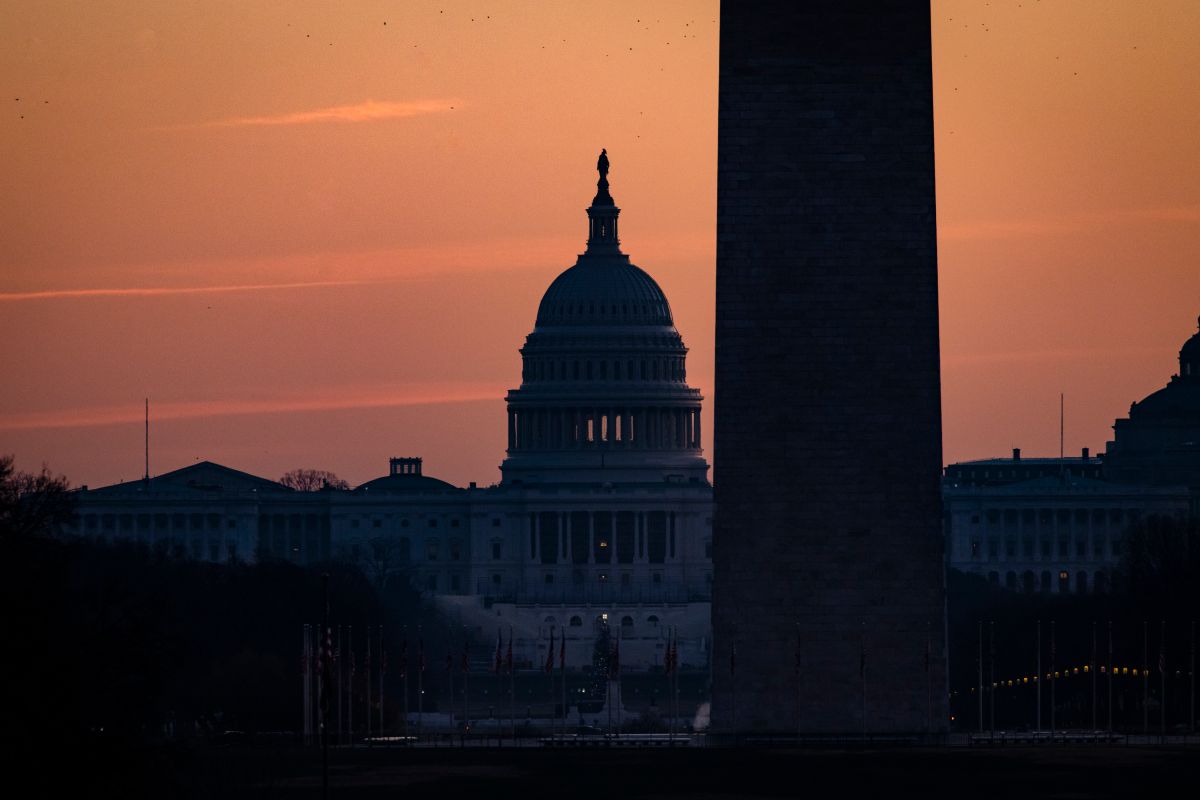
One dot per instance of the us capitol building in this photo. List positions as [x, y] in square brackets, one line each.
[603, 512]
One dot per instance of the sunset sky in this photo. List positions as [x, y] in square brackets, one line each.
[315, 234]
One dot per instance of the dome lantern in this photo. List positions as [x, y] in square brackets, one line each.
[602, 215]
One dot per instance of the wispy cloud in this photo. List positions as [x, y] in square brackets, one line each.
[1065, 224]
[156, 291]
[366, 111]
[351, 398]
[1077, 355]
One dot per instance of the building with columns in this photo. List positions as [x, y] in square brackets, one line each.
[603, 514]
[1059, 524]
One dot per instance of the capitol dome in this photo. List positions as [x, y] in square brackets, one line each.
[604, 395]
[604, 291]
[1189, 356]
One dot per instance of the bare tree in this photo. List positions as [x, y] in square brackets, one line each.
[312, 480]
[33, 503]
[381, 560]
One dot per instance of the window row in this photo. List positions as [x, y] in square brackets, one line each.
[648, 369]
[1028, 547]
[1061, 581]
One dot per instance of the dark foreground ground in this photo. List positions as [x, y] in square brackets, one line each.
[490, 774]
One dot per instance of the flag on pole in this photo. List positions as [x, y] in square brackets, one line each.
[562, 652]
[499, 651]
[508, 659]
[326, 675]
[669, 657]
[550, 654]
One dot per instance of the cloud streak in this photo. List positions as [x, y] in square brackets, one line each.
[366, 111]
[371, 397]
[158, 291]
[1050, 226]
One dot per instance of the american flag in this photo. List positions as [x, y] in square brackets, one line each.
[562, 652]
[499, 651]
[326, 682]
[550, 653]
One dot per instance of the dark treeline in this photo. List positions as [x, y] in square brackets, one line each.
[1157, 588]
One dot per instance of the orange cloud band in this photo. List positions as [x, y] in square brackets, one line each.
[370, 397]
[366, 111]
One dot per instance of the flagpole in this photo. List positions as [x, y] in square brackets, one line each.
[404, 666]
[1162, 673]
[1110, 677]
[304, 684]
[350, 686]
[325, 686]
[1192, 673]
[382, 671]
[420, 682]
[928, 679]
[450, 677]
[992, 676]
[608, 676]
[562, 668]
[466, 668]
[1053, 681]
[1145, 681]
[341, 730]
[512, 689]
[620, 636]
[1037, 679]
[367, 697]
[979, 665]
[550, 675]
[1093, 675]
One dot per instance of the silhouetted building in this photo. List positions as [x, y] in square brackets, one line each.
[1158, 444]
[604, 511]
[1059, 524]
[828, 431]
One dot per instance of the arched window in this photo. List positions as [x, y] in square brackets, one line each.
[1046, 580]
[576, 622]
[994, 578]
[1010, 581]
[1028, 581]
[652, 621]
[1101, 582]
[1081, 582]
[626, 622]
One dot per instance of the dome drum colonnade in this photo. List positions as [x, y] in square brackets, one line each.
[604, 381]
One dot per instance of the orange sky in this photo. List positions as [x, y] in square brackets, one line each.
[317, 240]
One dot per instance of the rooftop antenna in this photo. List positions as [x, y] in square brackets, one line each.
[146, 476]
[1061, 428]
